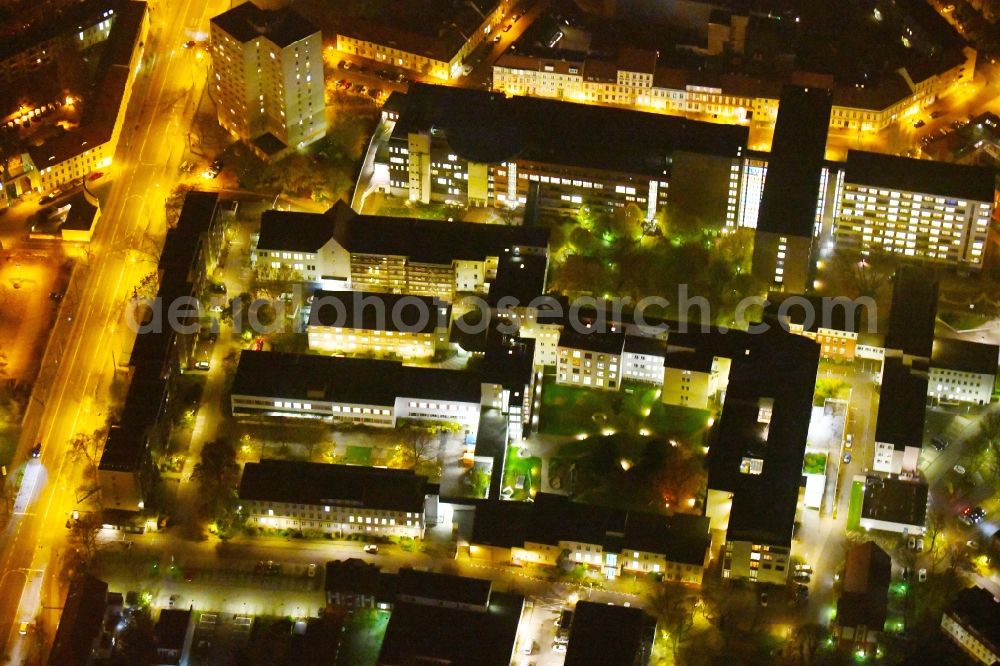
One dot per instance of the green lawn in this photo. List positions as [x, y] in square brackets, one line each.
[530, 468]
[574, 411]
[854, 514]
[814, 463]
[362, 637]
[359, 455]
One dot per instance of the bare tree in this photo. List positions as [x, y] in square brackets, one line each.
[674, 607]
[86, 448]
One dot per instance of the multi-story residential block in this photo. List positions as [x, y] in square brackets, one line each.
[643, 359]
[472, 147]
[157, 354]
[85, 143]
[931, 211]
[864, 600]
[899, 428]
[446, 619]
[787, 222]
[267, 82]
[554, 529]
[81, 637]
[344, 250]
[590, 359]
[756, 454]
[973, 623]
[431, 38]
[354, 390]
[640, 80]
[610, 635]
[691, 378]
[962, 371]
[834, 323]
[383, 325]
[894, 504]
[344, 499]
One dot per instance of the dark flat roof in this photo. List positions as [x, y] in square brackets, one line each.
[422, 241]
[780, 367]
[373, 311]
[269, 144]
[418, 634]
[126, 443]
[695, 361]
[171, 629]
[520, 277]
[788, 204]
[866, 587]
[902, 405]
[81, 620]
[965, 356]
[81, 213]
[977, 610]
[103, 100]
[292, 231]
[247, 21]
[609, 635]
[339, 485]
[360, 381]
[914, 311]
[921, 176]
[353, 575]
[598, 342]
[814, 312]
[444, 587]
[895, 501]
[488, 127]
[553, 518]
[640, 344]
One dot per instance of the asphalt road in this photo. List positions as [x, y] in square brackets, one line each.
[88, 343]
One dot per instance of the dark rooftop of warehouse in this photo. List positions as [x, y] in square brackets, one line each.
[959, 181]
[894, 500]
[348, 380]
[902, 407]
[337, 485]
[488, 127]
[609, 635]
[247, 21]
[421, 634]
[965, 356]
[788, 204]
[914, 311]
[372, 311]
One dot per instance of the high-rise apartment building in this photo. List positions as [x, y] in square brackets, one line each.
[916, 208]
[268, 78]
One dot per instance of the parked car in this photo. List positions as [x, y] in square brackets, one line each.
[919, 123]
[22, 629]
[939, 443]
[36, 450]
[531, 647]
[559, 647]
[803, 567]
[920, 545]
[312, 571]
[763, 599]
[847, 458]
[922, 575]
[371, 548]
[959, 469]
[911, 543]
[849, 442]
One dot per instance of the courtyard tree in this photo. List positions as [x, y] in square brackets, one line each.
[674, 606]
[86, 448]
[217, 474]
